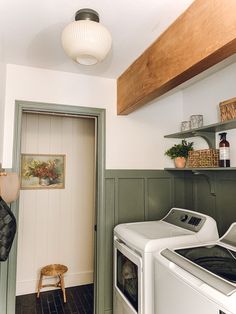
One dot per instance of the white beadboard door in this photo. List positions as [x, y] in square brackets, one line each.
[56, 226]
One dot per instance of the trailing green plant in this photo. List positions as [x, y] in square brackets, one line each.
[180, 150]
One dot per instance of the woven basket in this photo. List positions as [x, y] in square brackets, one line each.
[228, 109]
[204, 158]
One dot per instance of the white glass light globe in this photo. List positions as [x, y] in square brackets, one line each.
[86, 42]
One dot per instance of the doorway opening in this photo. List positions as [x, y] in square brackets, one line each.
[57, 115]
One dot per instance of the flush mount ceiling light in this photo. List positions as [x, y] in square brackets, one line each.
[85, 40]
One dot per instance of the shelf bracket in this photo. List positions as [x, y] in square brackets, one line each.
[209, 137]
[210, 179]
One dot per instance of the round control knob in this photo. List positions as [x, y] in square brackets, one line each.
[183, 218]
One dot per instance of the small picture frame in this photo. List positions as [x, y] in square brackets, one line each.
[42, 171]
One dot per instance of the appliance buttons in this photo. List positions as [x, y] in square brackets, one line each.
[194, 221]
[183, 218]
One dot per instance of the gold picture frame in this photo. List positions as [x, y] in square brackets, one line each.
[42, 171]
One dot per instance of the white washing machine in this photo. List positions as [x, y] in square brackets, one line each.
[197, 279]
[134, 244]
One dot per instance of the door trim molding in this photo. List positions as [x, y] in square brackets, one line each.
[99, 114]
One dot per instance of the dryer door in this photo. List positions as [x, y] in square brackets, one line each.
[127, 278]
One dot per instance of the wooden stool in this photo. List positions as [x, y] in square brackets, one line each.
[55, 270]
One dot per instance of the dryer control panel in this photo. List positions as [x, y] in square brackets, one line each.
[185, 219]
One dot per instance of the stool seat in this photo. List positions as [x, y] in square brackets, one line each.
[53, 270]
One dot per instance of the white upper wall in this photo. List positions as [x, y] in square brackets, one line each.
[204, 97]
[135, 141]
[132, 142]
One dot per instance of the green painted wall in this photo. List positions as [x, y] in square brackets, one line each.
[3, 285]
[136, 195]
[221, 204]
[133, 195]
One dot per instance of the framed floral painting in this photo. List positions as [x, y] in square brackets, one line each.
[42, 171]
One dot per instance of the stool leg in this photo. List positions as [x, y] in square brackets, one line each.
[63, 287]
[40, 284]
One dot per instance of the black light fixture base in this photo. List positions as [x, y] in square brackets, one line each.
[87, 14]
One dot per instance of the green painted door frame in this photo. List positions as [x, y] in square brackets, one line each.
[99, 114]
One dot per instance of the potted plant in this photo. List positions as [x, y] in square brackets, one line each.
[179, 152]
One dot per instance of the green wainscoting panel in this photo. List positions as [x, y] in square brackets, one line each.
[188, 190]
[11, 291]
[159, 195]
[226, 200]
[110, 222]
[3, 285]
[213, 193]
[130, 200]
[203, 200]
[181, 197]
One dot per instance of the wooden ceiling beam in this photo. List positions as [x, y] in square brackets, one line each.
[201, 37]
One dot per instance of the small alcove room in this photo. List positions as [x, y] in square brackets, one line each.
[118, 157]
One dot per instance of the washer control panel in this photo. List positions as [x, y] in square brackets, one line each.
[185, 219]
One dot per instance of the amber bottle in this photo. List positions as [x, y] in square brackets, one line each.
[224, 151]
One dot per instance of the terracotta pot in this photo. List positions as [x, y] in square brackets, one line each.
[180, 162]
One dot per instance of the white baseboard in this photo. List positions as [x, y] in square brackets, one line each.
[71, 280]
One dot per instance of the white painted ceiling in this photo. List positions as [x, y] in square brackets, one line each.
[30, 31]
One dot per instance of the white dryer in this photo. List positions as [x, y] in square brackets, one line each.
[197, 279]
[134, 245]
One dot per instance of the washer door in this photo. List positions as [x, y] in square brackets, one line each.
[128, 276]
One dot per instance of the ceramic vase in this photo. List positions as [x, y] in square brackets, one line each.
[44, 181]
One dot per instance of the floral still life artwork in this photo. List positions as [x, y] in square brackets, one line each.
[42, 171]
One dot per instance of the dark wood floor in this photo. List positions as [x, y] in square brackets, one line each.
[79, 301]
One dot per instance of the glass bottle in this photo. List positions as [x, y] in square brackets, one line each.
[224, 151]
